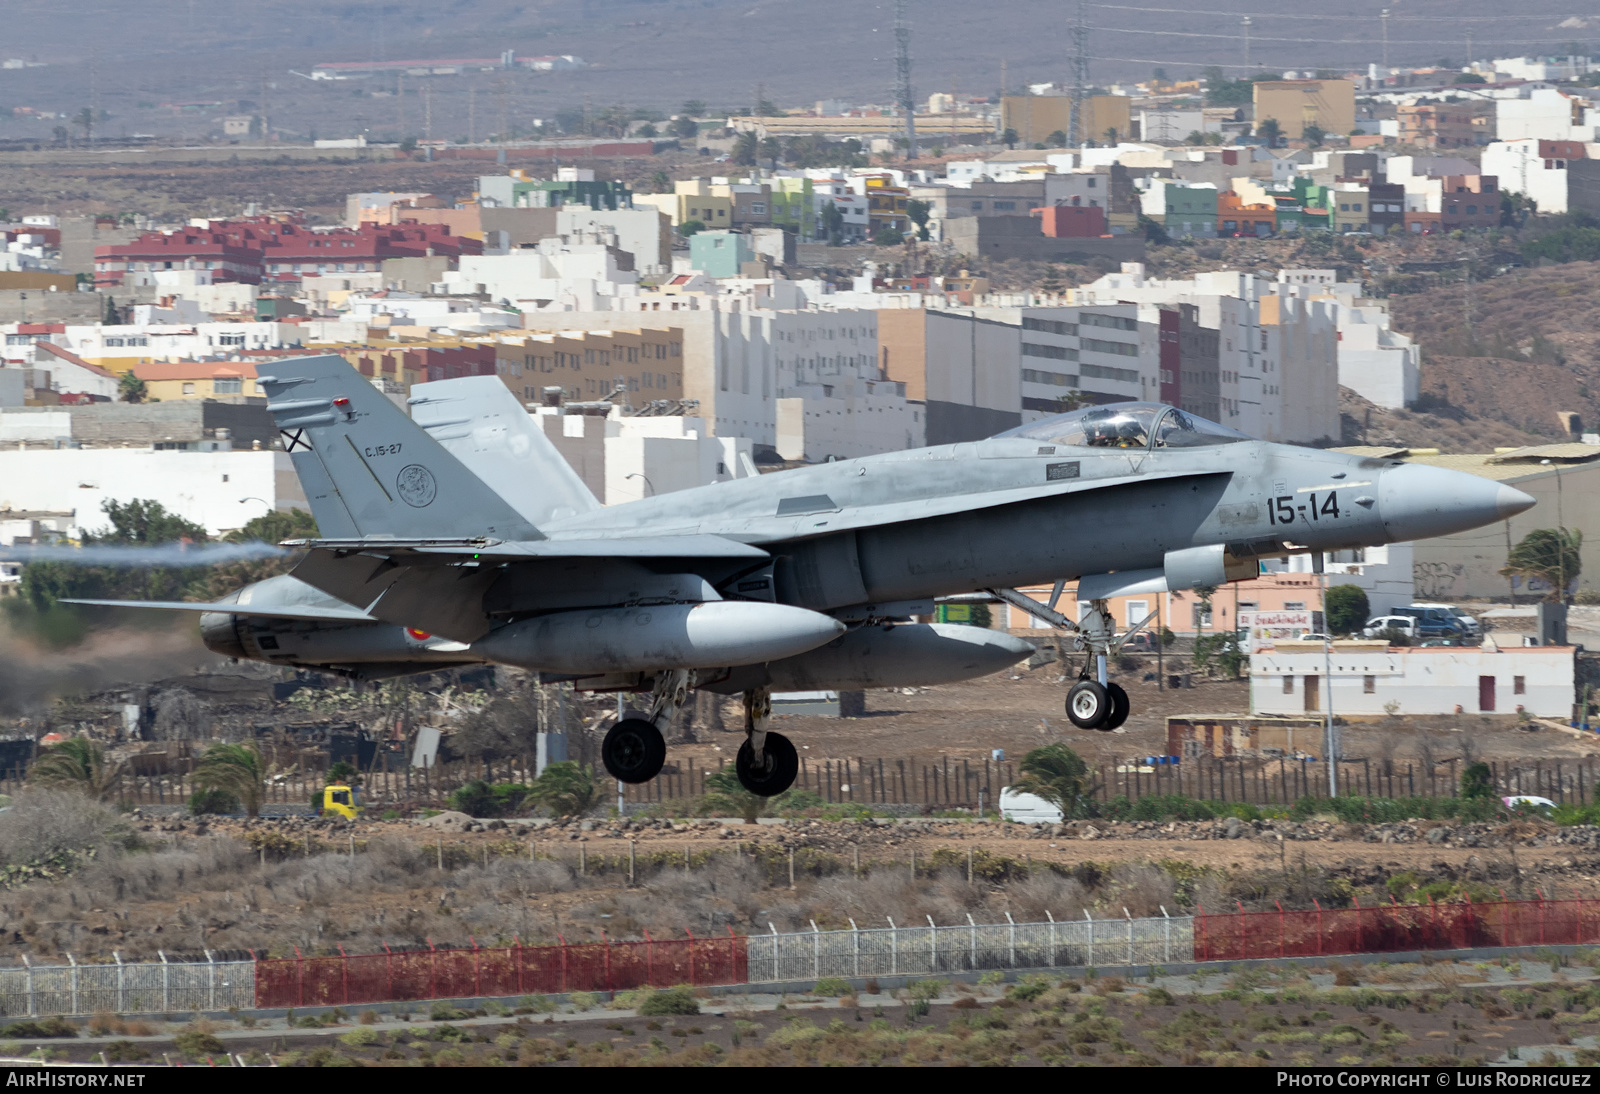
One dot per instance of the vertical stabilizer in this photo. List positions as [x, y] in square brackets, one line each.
[370, 467]
[480, 422]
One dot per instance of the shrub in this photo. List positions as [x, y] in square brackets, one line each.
[43, 824]
[566, 789]
[361, 1035]
[480, 799]
[194, 1043]
[236, 769]
[44, 1027]
[583, 1000]
[213, 801]
[679, 1000]
[126, 1052]
[832, 986]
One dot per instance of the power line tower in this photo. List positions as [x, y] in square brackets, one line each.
[902, 71]
[1078, 121]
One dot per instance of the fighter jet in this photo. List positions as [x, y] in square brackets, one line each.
[459, 536]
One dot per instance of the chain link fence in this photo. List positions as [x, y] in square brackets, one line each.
[136, 988]
[927, 950]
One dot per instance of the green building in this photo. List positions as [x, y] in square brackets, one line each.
[720, 254]
[793, 206]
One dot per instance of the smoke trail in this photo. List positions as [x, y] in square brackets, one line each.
[167, 554]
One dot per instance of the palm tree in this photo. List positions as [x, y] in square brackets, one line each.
[1549, 555]
[724, 792]
[78, 764]
[1058, 775]
[235, 769]
[566, 788]
[131, 388]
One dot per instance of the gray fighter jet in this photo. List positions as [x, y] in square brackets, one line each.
[459, 536]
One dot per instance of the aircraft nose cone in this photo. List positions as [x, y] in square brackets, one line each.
[1417, 502]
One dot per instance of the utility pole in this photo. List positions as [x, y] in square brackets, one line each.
[427, 111]
[902, 71]
[1383, 21]
[1078, 119]
[472, 115]
[1246, 24]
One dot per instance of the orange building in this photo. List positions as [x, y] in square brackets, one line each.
[1236, 217]
[1181, 611]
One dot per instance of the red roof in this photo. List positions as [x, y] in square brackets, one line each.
[56, 351]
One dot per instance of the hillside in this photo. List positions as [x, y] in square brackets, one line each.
[1516, 348]
[157, 67]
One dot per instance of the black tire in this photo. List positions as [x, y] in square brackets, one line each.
[1088, 704]
[780, 765]
[1119, 708]
[634, 751]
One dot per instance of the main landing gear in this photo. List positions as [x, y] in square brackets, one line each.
[635, 748]
[1094, 701]
[767, 762]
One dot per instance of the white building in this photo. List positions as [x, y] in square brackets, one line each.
[121, 346]
[1277, 345]
[1381, 365]
[1372, 679]
[1532, 167]
[645, 233]
[1549, 114]
[740, 361]
[555, 276]
[219, 489]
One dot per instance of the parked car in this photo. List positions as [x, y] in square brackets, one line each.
[1435, 622]
[1143, 642]
[1027, 808]
[1470, 627]
[1405, 624]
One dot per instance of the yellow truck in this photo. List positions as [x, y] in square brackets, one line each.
[340, 800]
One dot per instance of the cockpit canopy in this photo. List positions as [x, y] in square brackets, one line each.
[1128, 425]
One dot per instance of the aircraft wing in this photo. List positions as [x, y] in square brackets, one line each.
[685, 546]
[292, 611]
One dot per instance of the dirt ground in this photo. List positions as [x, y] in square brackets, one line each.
[1451, 1013]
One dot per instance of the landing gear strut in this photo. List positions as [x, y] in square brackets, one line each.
[1094, 701]
[635, 748]
[767, 762]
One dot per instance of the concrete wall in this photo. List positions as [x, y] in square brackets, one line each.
[205, 487]
[1021, 237]
[1420, 681]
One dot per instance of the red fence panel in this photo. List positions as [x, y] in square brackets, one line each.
[1391, 928]
[502, 971]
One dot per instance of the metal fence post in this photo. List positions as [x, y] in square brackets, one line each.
[1129, 916]
[894, 947]
[816, 951]
[166, 981]
[73, 961]
[211, 981]
[774, 931]
[1090, 918]
[33, 1004]
[1052, 920]
[855, 948]
[933, 946]
[1166, 923]
[122, 1004]
[1012, 939]
[972, 928]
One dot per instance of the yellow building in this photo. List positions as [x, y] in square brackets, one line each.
[1036, 117]
[646, 362]
[1296, 104]
[698, 199]
[886, 204]
[178, 380]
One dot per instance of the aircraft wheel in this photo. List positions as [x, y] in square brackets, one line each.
[775, 774]
[1088, 704]
[634, 751]
[1119, 708]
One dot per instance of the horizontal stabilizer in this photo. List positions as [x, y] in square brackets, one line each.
[302, 611]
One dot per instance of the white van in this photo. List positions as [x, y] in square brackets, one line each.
[1470, 627]
[1027, 808]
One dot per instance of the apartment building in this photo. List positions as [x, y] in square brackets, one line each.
[633, 367]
